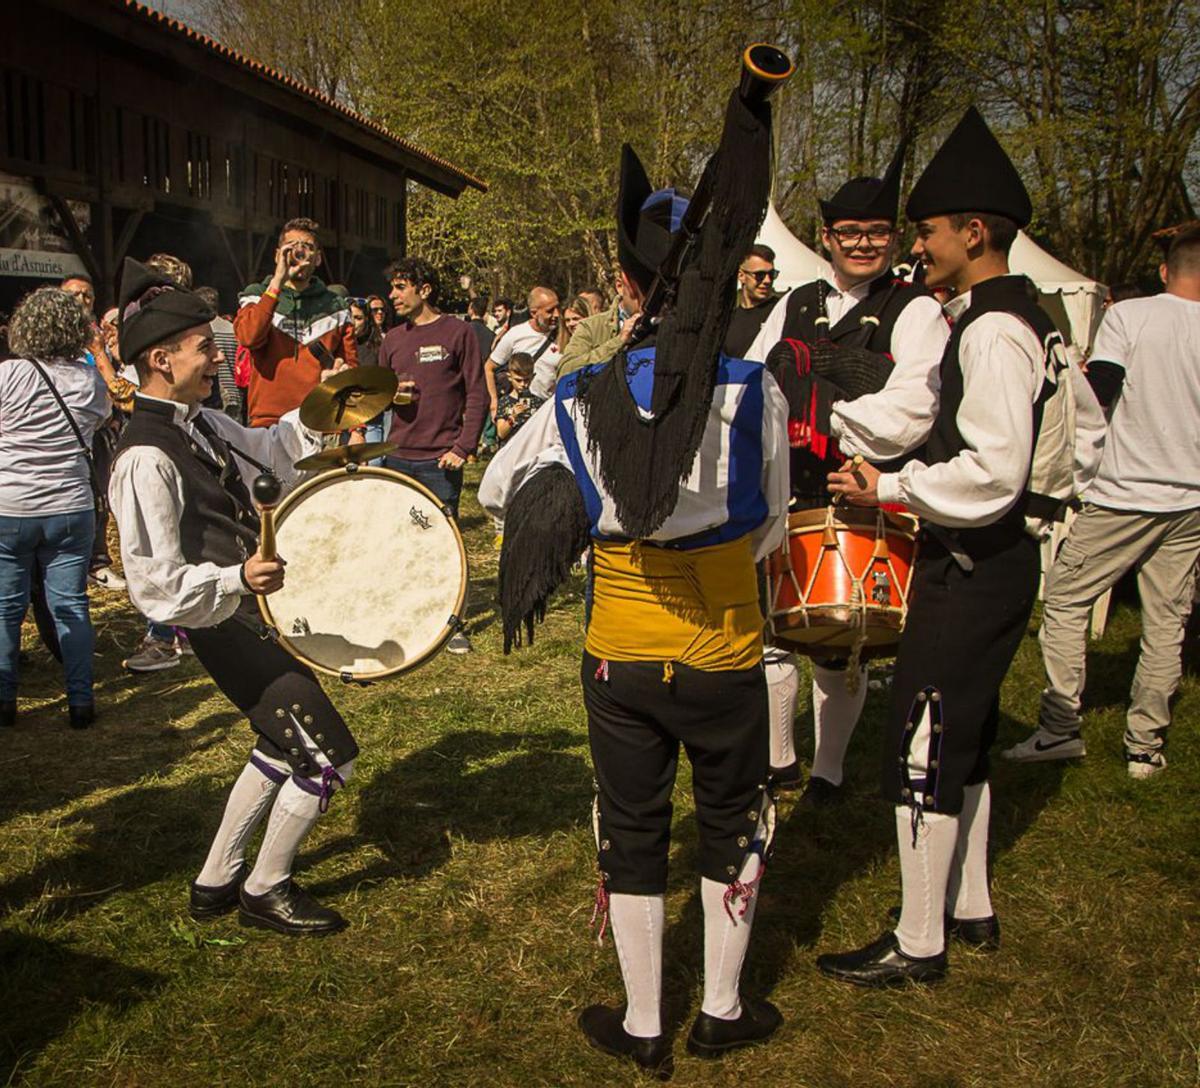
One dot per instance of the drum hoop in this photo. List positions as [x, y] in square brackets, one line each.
[324, 479]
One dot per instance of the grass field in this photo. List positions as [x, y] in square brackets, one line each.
[462, 855]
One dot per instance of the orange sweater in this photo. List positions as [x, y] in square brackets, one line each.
[280, 335]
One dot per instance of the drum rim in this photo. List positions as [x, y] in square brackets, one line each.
[324, 479]
[817, 517]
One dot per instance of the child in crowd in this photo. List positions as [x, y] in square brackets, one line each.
[514, 409]
[519, 403]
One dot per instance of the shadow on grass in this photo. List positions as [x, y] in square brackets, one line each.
[816, 852]
[128, 841]
[131, 738]
[472, 785]
[45, 984]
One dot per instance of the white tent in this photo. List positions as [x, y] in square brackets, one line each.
[797, 263]
[1074, 302]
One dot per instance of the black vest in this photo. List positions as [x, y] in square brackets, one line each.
[881, 307]
[218, 523]
[1004, 294]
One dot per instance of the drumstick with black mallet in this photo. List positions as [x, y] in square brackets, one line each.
[267, 490]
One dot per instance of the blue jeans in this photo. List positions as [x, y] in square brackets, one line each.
[445, 483]
[61, 545]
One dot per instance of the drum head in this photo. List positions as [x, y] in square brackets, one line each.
[375, 573]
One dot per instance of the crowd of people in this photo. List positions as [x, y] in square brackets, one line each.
[675, 479]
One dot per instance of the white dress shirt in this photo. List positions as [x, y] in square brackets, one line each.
[706, 498]
[146, 493]
[1003, 365]
[897, 418]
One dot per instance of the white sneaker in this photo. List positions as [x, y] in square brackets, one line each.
[107, 578]
[1145, 764]
[1043, 746]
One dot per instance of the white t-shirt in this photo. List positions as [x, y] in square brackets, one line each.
[1151, 457]
[526, 338]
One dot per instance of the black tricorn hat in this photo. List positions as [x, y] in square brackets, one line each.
[646, 220]
[970, 173]
[152, 309]
[867, 198]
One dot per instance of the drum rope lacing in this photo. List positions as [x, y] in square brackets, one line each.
[859, 601]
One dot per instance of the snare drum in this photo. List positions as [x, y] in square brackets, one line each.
[376, 573]
[840, 584]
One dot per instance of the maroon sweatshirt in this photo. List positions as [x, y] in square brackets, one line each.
[451, 405]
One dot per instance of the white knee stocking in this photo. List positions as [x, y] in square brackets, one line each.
[967, 895]
[924, 873]
[835, 714]
[637, 928]
[292, 818]
[726, 938]
[248, 802]
[783, 686]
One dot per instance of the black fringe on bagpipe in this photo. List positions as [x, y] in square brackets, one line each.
[642, 462]
[545, 533]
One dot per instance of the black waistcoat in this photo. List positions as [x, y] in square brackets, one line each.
[218, 524]
[1003, 294]
[884, 302]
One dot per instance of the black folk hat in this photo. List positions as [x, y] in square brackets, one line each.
[866, 197]
[970, 173]
[647, 219]
[152, 310]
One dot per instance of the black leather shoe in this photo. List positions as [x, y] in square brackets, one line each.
[81, 716]
[821, 793]
[207, 902]
[785, 778]
[882, 964]
[8, 715]
[711, 1037]
[288, 908]
[604, 1027]
[981, 933]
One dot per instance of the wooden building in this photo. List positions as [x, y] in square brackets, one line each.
[131, 133]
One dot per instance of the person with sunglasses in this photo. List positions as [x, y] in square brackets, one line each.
[860, 305]
[756, 299]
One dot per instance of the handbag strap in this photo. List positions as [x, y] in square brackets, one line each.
[545, 344]
[83, 446]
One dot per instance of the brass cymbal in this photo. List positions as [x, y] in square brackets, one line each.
[340, 456]
[349, 399]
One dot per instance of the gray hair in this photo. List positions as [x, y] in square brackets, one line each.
[49, 324]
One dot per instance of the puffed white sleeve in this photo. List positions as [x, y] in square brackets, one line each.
[1001, 361]
[534, 446]
[280, 446]
[146, 494]
[776, 475]
[897, 419]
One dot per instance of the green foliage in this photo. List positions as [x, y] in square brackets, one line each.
[1098, 100]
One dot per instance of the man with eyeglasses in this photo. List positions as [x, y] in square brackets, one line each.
[860, 306]
[756, 299]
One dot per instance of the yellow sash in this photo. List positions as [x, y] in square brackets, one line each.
[698, 608]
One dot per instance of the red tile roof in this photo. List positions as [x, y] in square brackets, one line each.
[166, 22]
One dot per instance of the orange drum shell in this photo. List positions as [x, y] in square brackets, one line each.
[814, 609]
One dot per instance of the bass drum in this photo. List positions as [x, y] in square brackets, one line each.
[376, 574]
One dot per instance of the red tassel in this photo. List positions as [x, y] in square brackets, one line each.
[600, 910]
[745, 892]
